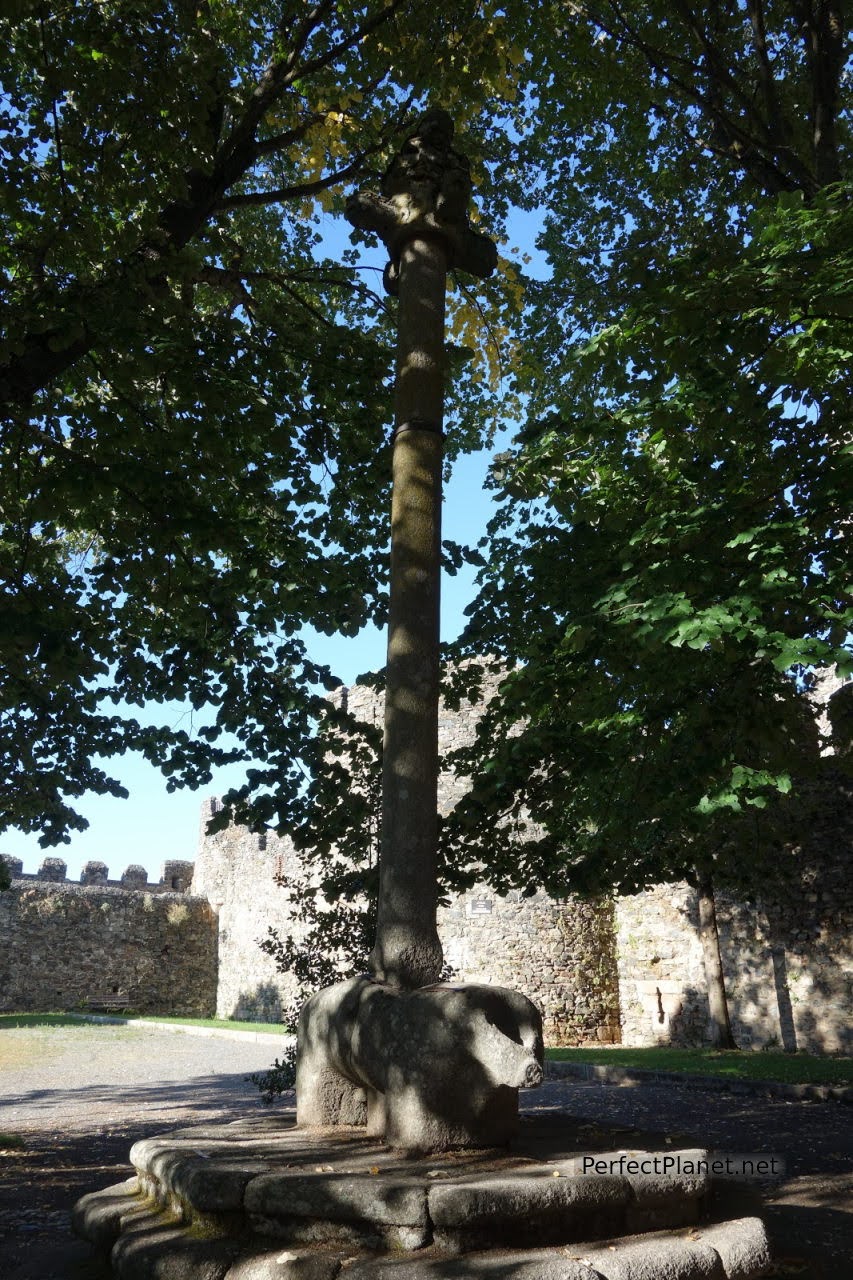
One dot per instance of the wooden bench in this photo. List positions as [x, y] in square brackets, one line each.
[115, 1002]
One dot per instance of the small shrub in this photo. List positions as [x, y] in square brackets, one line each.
[277, 1078]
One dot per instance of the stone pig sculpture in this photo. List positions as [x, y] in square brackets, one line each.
[426, 1070]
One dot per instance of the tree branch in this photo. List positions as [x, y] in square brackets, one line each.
[299, 190]
[281, 140]
[755, 9]
[45, 356]
[775, 168]
[235, 276]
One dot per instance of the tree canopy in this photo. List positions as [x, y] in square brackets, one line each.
[193, 392]
[671, 553]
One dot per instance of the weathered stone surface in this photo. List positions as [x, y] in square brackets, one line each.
[653, 1177]
[426, 191]
[367, 1198]
[514, 1266]
[285, 1263]
[660, 1259]
[14, 866]
[156, 1250]
[651, 1189]
[61, 943]
[340, 1202]
[441, 1066]
[529, 1207]
[215, 1186]
[94, 872]
[204, 1166]
[653, 1257]
[97, 1217]
[53, 869]
[134, 877]
[535, 1193]
[742, 1245]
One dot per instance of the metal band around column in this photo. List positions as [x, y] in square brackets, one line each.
[417, 424]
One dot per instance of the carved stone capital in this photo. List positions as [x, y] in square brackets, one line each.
[425, 193]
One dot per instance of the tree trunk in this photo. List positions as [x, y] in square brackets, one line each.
[721, 1029]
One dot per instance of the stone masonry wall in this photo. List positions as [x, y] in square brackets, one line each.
[236, 870]
[631, 968]
[61, 943]
[662, 990]
[787, 955]
[559, 954]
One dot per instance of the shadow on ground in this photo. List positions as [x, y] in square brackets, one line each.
[192, 1099]
[78, 1140]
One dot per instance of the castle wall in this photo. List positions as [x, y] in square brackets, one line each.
[61, 943]
[561, 955]
[630, 968]
[236, 871]
[661, 976]
[787, 954]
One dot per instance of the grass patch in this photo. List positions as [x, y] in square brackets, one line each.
[9, 1020]
[10, 1142]
[789, 1068]
[80, 1020]
[227, 1024]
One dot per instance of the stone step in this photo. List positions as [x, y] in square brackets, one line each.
[220, 1195]
[149, 1244]
[344, 1186]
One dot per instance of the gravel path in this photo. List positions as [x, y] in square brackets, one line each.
[77, 1097]
[82, 1077]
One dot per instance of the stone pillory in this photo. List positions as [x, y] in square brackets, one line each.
[421, 214]
[425, 192]
[425, 1066]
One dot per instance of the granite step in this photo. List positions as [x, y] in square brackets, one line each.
[149, 1244]
[224, 1196]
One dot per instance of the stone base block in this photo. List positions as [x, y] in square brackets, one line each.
[426, 1070]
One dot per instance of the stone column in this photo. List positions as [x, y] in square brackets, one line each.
[421, 215]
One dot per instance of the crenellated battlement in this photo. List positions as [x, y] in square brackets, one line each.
[175, 877]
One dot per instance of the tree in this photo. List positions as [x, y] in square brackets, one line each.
[193, 395]
[671, 553]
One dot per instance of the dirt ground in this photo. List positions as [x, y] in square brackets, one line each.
[73, 1100]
